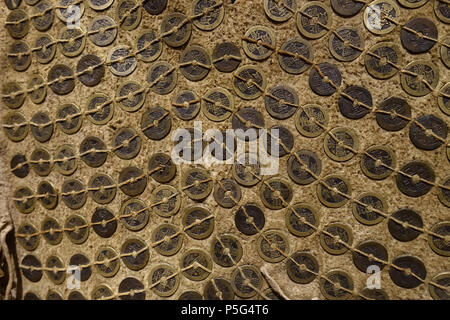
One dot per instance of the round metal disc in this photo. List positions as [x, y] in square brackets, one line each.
[262, 43]
[198, 222]
[413, 269]
[92, 70]
[51, 231]
[19, 55]
[15, 28]
[245, 119]
[366, 213]
[53, 295]
[281, 101]
[227, 193]
[41, 126]
[375, 16]
[128, 14]
[425, 71]
[196, 183]
[66, 11]
[327, 81]
[302, 267]
[441, 9]
[166, 201]
[382, 58]
[69, 118]
[132, 181]
[126, 143]
[212, 13]
[25, 199]
[131, 289]
[16, 97]
[440, 245]
[41, 162]
[393, 113]
[13, 4]
[197, 264]
[360, 106]
[47, 195]
[102, 30]
[100, 4]
[66, 160]
[72, 41]
[32, 268]
[61, 78]
[239, 279]
[121, 62]
[162, 77]
[161, 167]
[249, 82]
[56, 276]
[226, 250]
[29, 238]
[280, 11]
[164, 280]
[82, 263]
[195, 63]
[444, 193]
[130, 96]
[336, 285]
[346, 43]
[217, 104]
[226, 57]
[329, 239]
[93, 151]
[445, 51]
[249, 219]
[19, 165]
[327, 194]
[76, 229]
[135, 254]
[373, 294]
[442, 279]
[218, 289]
[412, 4]
[276, 193]
[372, 250]
[104, 222]
[186, 105]
[190, 295]
[378, 162]
[109, 261]
[273, 246]
[444, 99]
[310, 120]
[37, 87]
[346, 8]
[176, 29]
[415, 33]
[400, 222]
[102, 188]
[154, 7]
[148, 46]
[247, 170]
[76, 295]
[74, 193]
[305, 171]
[301, 219]
[420, 136]
[294, 55]
[102, 292]
[314, 20]
[134, 214]
[341, 144]
[46, 45]
[411, 183]
[103, 106]
[168, 239]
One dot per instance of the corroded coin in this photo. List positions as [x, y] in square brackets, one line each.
[167, 239]
[336, 238]
[186, 105]
[378, 162]
[247, 170]
[302, 267]
[341, 144]
[132, 181]
[217, 104]
[45, 46]
[164, 280]
[29, 236]
[280, 141]
[208, 14]
[218, 289]
[131, 289]
[41, 162]
[221, 145]
[76, 229]
[249, 219]
[259, 42]
[190, 295]
[189, 145]
[334, 191]
[19, 55]
[19, 165]
[135, 254]
[134, 214]
[17, 23]
[31, 268]
[196, 264]
[393, 114]
[53, 295]
[370, 208]
[120, 61]
[102, 30]
[380, 16]
[100, 108]
[69, 11]
[411, 4]
[346, 8]
[102, 188]
[37, 89]
[166, 201]
[438, 241]
[148, 46]
[383, 60]
[249, 82]
[156, 123]
[83, 264]
[428, 132]
[12, 4]
[128, 14]
[368, 254]
[93, 151]
[226, 250]
[304, 167]
[57, 276]
[66, 160]
[90, 70]
[280, 11]
[195, 63]
[246, 281]
[336, 285]
[325, 79]
[76, 295]
[196, 183]
[69, 118]
[419, 78]
[276, 193]
[13, 95]
[41, 126]
[61, 79]
[126, 143]
[154, 7]
[246, 123]
[107, 261]
[161, 167]
[273, 246]
[131, 96]
[444, 191]
[47, 195]
[442, 11]
[301, 219]
[444, 99]
[417, 33]
[102, 292]
[311, 120]
[74, 193]
[100, 4]
[403, 224]
[281, 101]
[198, 222]
[162, 77]
[72, 41]
[436, 286]
[346, 43]
[176, 29]
[226, 57]
[295, 55]
[227, 193]
[103, 222]
[407, 271]
[415, 178]
[51, 231]
[373, 294]
[314, 20]
[24, 199]
[355, 102]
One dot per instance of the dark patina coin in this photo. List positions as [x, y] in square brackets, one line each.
[102, 30]
[131, 289]
[19, 55]
[373, 294]
[336, 238]
[24, 199]
[295, 55]
[31, 296]
[66, 160]
[196, 265]
[439, 238]
[336, 285]
[76, 295]
[443, 191]
[55, 274]
[311, 120]
[259, 42]
[273, 246]
[247, 170]
[72, 41]
[76, 229]
[226, 250]
[51, 231]
[393, 114]
[226, 57]
[245, 119]
[100, 4]
[128, 14]
[102, 188]
[249, 219]
[198, 222]
[217, 104]
[126, 143]
[69, 118]
[370, 208]
[176, 29]
[281, 101]
[162, 77]
[341, 144]
[100, 108]
[12, 4]
[407, 271]
[154, 7]
[28, 236]
[227, 193]
[61, 79]
[314, 20]
[246, 281]
[416, 33]
[134, 214]
[83, 264]
[190, 295]
[41, 126]
[196, 183]
[161, 167]
[383, 60]
[302, 267]
[415, 178]
[442, 11]
[186, 105]
[276, 193]
[380, 16]
[90, 70]
[17, 23]
[53, 295]
[41, 162]
[189, 145]
[346, 8]
[437, 285]
[37, 89]
[444, 98]
[403, 225]
[194, 63]
[156, 123]
[66, 11]
[74, 193]
[325, 79]
[167, 239]
[378, 162]
[301, 219]
[93, 151]
[31, 268]
[166, 200]
[121, 61]
[355, 102]
[19, 165]
[368, 254]
[346, 43]
[135, 254]
[249, 82]
[47, 195]
[423, 136]
[131, 96]
[280, 11]
[419, 78]
[45, 46]
[334, 191]
[218, 289]
[103, 222]
[132, 181]
[13, 95]
[163, 280]
[304, 167]
[107, 261]
[208, 13]
[411, 4]
[102, 292]
[148, 46]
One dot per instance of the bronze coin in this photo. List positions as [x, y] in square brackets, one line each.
[31, 268]
[247, 122]
[421, 138]
[164, 280]
[107, 261]
[135, 254]
[13, 96]
[76, 295]
[281, 101]
[102, 292]
[358, 106]
[156, 123]
[154, 7]
[419, 78]
[74, 193]
[259, 42]
[61, 79]
[134, 214]
[218, 289]
[19, 55]
[280, 11]
[196, 265]
[341, 144]
[24, 199]
[121, 61]
[28, 236]
[90, 70]
[403, 224]
[226, 57]
[367, 208]
[195, 63]
[227, 193]
[128, 14]
[247, 170]
[41, 126]
[302, 267]
[273, 246]
[12, 4]
[304, 167]
[226, 250]
[416, 34]
[311, 120]
[186, 105]
[76, 229]
[57, 276]
[176, 29]
[161, 167]
[198, 222]
[336, 285]
[166, 201]
[37, 89]
[82, 263]
[17, 23]
[66, 11]
[46, 48]
[276, 193]
[190, 295]
[407, 271]
[69, 118]
[93, 151]
[208, 14]
[415, 178]
[102, 30]
[378, 162]
[19, 165]
[102, 188]
[249, 82]
[295, 55]
[66, 160]
[100, 4]
[47, 195]
[336, 238]
[441, 9]
[346, 8]
[372, 250]
[189, 145]
[132, 181]
[31, 296]
[411, 4]
[383, 60]
[131, 289]
[346, 43]
[72, 41]
[51, 231]
[53, 295]
[327, 81]
[444, 191]
[302, 219]
[41, 162]
[373, 294]
[242, 277]
[103, 222]
[314, 20]
[440, 245]
[148, 45]
[249, 219]
[393, 114]
[380, 16]
[196, 183]
[438, 293]
[167, 239]
[126, 143]
[444, 98]
[131, 96]
[217, 104]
